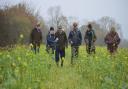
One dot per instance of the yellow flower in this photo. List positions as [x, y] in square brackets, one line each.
[126, 57]
[8, 56]
[96, 58]
[19, 58]
[31, 45]
[16, 71]
[24, 64]
[63, 58]
[13, 65]
[21, 36]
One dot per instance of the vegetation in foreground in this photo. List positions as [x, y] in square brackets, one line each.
[20, 68]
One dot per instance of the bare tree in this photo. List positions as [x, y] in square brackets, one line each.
[71, 20]
[54, 16]
[64, 23]
[107, 22]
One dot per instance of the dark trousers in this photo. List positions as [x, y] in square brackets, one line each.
[59, 53]
[90, 47]
[74, 52]
[112, 48]
[36, 47]
[48, 47]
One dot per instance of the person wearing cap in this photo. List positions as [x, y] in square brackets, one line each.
[50, 40]
[75, 39]
[61, 43]
[90, 38]
[36, 38]
[112, 40]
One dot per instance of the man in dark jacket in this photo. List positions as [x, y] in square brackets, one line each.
[75, 39]
[112, 40]
[61, 43]
[50, 40]
[90, 38]
[36, 38]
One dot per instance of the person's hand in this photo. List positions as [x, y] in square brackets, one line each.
[56, 39]
[113, 44]
[31, 45]
[71, 42]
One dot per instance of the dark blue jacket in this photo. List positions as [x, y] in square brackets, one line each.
[90, 36]
[75, 38]
[51, 39]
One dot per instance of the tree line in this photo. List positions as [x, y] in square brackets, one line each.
[17, 22]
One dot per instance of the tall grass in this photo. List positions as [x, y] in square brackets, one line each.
[20, 68]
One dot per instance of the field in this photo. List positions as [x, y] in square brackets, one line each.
[20, 68]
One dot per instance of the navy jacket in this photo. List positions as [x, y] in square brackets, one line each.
[51, 39]
[90, 36]
[75, 38]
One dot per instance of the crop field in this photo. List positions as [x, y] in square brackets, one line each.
[20, 68]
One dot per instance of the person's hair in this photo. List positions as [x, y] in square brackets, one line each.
[60, 27]
[52, 28]
[90, 26]
[38, 24]
[75, 24]
[113, 29]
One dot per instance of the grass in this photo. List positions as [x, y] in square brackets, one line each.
[20, 68]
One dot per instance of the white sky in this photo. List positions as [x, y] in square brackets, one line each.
[84, 9]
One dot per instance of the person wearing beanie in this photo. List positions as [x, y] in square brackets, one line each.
[112, 40]
[36, 38]
[75, 39]
[90, 38]
[61, 43]
[50, 40]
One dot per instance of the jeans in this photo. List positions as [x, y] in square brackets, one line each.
[59, 53]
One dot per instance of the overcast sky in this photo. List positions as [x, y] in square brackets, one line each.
[83, 9]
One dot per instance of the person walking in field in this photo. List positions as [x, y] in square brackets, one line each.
[36, 38]
[75, 39]
[61, 43]
[90, 38]
[50, 40]
[112, 40]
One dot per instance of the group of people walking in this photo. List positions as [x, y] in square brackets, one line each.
[58, 41]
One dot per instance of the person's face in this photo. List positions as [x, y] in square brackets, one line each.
[59, 29]
[75, 27]
[38, 26]
[89, 28]
[52, 32]
[112, 30]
